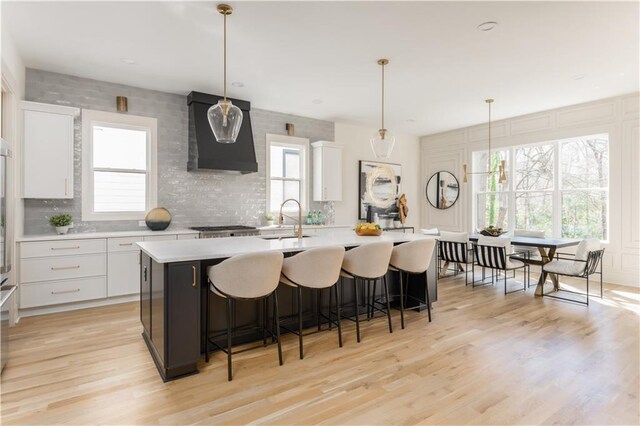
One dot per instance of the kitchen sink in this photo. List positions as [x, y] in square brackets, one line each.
[281, 237]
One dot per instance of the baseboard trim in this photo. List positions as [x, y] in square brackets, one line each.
[31, 312]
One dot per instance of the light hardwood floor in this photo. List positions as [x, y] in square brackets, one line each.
[485, 359]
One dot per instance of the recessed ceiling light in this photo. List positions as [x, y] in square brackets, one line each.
[316, 101]
[579, 76]
[128, 61]
[237, 84]
[487, 26]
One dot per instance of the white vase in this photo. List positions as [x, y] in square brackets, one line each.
[270, 223]
[61, 230]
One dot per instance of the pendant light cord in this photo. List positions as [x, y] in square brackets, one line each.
[490, 160]
[225, 56]
[383, 96]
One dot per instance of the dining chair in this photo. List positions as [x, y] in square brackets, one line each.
[495, 253]
[586, 261]
[453, 248]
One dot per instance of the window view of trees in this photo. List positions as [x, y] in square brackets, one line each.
[559, 187]
[585, 187]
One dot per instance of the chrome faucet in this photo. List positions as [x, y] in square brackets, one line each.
[298, 232]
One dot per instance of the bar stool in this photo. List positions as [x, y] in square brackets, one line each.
[412, 258]
[368, 263]
[246, 277]
[314, 269]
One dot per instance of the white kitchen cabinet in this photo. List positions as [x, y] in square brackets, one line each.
[327, 171]
[48, 150]
[123, 276]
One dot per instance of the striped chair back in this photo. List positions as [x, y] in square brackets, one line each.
[452, 251]
[490, 256]
[593, 261]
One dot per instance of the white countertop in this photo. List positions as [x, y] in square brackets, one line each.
[115, 234]
[217, 248]
[288, 227]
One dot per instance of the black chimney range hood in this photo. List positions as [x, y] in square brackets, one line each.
[205, 153]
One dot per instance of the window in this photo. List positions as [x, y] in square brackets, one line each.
[118, 166]
[559, 187]
[287, 169]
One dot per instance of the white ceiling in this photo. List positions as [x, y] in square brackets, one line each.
[290, 54]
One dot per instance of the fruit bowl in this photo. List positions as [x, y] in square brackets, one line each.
[492, 231]
[368, 230]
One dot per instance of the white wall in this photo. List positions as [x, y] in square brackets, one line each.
[355, 141]
[619, 116]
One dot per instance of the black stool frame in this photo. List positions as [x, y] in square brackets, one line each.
[299, 332]
[404, 295]
[370, 300]
[230, 301]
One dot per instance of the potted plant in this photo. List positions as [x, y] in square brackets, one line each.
[269, 218]
[61, 222]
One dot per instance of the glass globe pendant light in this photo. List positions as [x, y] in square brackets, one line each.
[382, 141]
[225, 118]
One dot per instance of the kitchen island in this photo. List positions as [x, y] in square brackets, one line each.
[173, 285]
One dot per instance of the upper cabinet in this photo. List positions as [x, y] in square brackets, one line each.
[327, 171]
[48, 150]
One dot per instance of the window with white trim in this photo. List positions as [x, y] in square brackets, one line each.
[560, 187]
[118, 166]
[287, 172]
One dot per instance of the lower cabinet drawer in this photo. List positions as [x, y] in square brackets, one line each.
[62, 267]
[55, 292]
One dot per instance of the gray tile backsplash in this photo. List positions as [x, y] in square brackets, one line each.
[193, 198]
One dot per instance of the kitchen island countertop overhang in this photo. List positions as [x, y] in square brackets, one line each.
[217, 248]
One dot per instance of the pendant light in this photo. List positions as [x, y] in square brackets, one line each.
[382, 141]
[225, 118]
[501, 172]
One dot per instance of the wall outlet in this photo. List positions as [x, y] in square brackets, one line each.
[142, 223]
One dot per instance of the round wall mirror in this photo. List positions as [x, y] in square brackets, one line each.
[442, 190]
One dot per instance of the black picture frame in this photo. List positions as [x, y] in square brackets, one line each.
[362, 184]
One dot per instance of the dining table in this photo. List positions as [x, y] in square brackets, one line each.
[547, 247]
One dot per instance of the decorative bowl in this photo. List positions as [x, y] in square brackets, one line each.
[492, 231]
[369, 232]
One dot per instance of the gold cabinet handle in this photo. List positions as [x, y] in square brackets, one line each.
[60, 268]
[126, 244]
[65, 187]
[66, 291]
[193, 284]
[65, 248]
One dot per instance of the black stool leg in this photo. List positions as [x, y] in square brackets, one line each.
[318, 297]
[338, 310]
[264, 322]
[331, 308]
[229, 372]
[300, 322]
[401, 303]
[277, 315]
[426, 282]
[355, 284]
[386, 295]
[206, 327]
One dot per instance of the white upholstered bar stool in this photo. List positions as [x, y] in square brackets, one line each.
[368, 263]
[246, 277]
[314, 269]
[412, 258]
